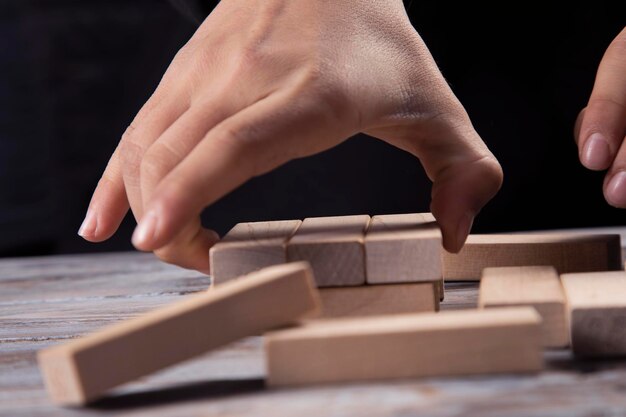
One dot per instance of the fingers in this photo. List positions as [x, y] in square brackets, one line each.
[254, 141]
[464, 172]
[189, 248]
[108, 204]
[602, 125]
[615, 180]
[119, 186]
[148, 125]
[458, 195]
[179, 140]
[465, 175]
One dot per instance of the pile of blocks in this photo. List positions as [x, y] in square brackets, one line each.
[356, 298]
[386, 264]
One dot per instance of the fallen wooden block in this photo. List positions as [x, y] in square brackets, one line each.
[596, 304]
[248, 247]
[533, 286]
[403, 248]
[460, 342]
[566, 252]
[368, 300]
[82, 370]
[334, 248]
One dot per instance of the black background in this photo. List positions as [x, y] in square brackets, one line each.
[73, 74]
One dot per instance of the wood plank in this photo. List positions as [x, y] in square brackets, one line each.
[566, 252]
[596, 304]
[248, 247]
[369, 300]
[82, 370]
[30, 280]
[229, 380]
[334, 248]
[404, 346]
[533, 286]
[403, 248]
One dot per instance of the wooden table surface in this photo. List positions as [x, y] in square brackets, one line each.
[48, 300]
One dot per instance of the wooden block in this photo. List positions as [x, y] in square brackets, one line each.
[440, 286]
[82, 370]
[566, 252]
[248, 247]
[459, 342]
[368, 300]
[596, 304]
[334, 248]
[403, 248]
[533, 286]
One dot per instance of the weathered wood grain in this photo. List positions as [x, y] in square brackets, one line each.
[451, 343]
[535, 286]
[80, 371]
[334, 248]
[36, 280]
[228, 382]
[566, 252]
[369, 300]
[596, 304]
[403, 248]
[250, 246]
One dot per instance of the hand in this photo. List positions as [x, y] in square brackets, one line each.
[601, 126]
[266, 81]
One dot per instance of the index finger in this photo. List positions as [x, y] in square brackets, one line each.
[603, 122]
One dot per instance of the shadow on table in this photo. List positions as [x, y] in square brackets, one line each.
[564, 360]
[180, 393]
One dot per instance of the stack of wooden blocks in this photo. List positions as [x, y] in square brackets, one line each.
[361, 296]
[387, 264]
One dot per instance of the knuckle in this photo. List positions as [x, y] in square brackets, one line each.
[107, 180]
[151, 167]
[604, 103]
[131, 151]
[158, 160]
[494, 171]
[243, 143]
[129, 133]
[599, 117]
[326, 88]
[238, 138]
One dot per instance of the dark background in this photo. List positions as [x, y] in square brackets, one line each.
[73, 74]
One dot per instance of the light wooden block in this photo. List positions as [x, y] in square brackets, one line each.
[248, 247]
[596, 304]
[566, 252]
[82, 370]
[460, 342]
[403, 248]
[368, 300]
[533, 286]
[334, 248]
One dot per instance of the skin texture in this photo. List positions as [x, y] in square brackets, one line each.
[601, 126]
[301, 78]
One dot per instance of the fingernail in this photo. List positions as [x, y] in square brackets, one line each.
[145, 230]
[596, 154]
[463, 229]
[616, 190]
[88, 227]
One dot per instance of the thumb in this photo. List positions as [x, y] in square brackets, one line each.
[458, 195]
[464, 172]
